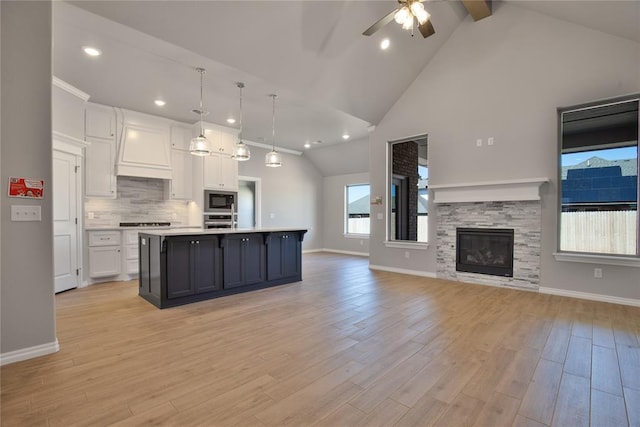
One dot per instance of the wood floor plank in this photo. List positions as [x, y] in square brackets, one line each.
[607, 410]
[500, 410]
[539, 400]
[605, 370]
[347, 346]
[578, 361]
[632, 402]
[572, 407]
[629, 359]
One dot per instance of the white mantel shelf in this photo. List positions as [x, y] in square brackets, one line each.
[489, 191]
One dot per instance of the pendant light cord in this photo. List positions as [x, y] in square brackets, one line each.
[273, 126]
[201, 71]
[240, 85]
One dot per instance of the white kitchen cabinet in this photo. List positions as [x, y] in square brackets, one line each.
[100, 121]
[131, 251]
[181, 184]
[180, 137]
[105, 257]
[220, 172]
[226, 144]
[100, 179]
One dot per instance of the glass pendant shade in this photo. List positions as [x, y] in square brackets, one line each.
[242, 152]
[273, 159]
[199, 146]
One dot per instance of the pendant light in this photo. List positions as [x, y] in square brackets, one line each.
[273, 159]
[242, 152]
[200, 145]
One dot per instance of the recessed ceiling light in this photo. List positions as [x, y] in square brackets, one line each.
[91, 51]
[384, 44]
[346, 136]
[231, 120]
[159, 102]
[307, 145]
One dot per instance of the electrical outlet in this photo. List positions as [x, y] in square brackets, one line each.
[406, 254]
[272, 215]
[380, 216]
[361, 242]
[490, 140]
[91, 215]
[597, 273]
[478, 142]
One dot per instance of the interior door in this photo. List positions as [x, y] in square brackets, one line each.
[65, 228]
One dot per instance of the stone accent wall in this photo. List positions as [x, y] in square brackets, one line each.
[138, 200]
[522, 216]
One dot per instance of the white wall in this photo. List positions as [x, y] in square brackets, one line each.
[504, 77]
[27, 302]
[334, 214]
[292, 194]
[340, 159]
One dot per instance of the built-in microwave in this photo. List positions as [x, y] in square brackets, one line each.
[219, 201]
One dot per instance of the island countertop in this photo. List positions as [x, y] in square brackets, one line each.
[217, 231]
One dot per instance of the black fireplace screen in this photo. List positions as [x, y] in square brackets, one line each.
[485, 251]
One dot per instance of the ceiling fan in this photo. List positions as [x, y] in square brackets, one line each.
[405, 14]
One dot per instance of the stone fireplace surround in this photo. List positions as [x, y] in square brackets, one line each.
[502, 204]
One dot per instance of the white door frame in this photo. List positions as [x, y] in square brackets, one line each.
[258, 194]
[74, 146]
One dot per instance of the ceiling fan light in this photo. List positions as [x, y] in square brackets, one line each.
[199, 146]
[242, 152]
[423, 16]
[408, 23]
[402, 15]
[416, 7]
[273, 159]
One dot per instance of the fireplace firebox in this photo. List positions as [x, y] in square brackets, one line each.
[485, 251]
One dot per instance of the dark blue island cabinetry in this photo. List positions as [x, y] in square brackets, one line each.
[183, 266]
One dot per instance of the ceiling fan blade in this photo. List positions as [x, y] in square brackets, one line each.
[381, 23]
[426, 29]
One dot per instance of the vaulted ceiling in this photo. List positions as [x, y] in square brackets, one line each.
[330, 79]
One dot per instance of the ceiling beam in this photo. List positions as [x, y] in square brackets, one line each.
[478, 9]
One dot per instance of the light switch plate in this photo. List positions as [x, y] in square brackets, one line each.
[25, 213]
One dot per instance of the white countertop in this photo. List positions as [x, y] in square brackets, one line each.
[117, 227]
[204, 231]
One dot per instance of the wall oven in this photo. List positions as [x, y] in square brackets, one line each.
[220, 209]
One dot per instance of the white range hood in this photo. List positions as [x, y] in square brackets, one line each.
[144, 145]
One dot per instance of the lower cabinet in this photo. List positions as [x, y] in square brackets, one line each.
[283, 255]
[104, 261]
[244, 259]
[193, 265]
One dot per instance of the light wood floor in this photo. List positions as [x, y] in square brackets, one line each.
[345, 347]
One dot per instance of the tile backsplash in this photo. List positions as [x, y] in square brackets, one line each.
[138, 200]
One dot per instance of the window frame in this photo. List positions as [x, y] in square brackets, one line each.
[346, 231]
[595, 257]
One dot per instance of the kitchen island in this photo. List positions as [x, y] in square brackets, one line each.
[183, 266]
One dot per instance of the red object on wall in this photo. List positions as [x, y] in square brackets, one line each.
[25, 187]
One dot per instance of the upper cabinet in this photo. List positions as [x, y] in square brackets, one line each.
[222, 139]
[180, 187]
[67, 114]
[100, 121]
[100, 154]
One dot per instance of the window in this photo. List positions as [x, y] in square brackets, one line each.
[599, 178]
[408, 190]
[357, 208]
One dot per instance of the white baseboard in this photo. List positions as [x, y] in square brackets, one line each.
[590, 296]
[403, 271]
[338, 251]
[29, 353]
[310, 251]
